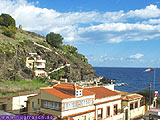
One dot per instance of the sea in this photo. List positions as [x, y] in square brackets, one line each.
[136, 78]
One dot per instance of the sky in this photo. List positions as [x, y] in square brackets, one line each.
[110, 33]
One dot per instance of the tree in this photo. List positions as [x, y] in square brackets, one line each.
[145, 93]
[9, 31]
[9, 25]
[54, 40]
[6, 20]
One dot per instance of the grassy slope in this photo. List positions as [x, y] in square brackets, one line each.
[11, 88]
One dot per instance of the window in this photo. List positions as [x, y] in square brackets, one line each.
[45, 104]
[3, 107]
[51, 105]
[78, 93]
[107, 111]
[136, 104]
[115, 109]
[131, 106]
[31, 58]
[38, 101]
[142, 102]
[32, 104]
[84, 117]
[100, 111]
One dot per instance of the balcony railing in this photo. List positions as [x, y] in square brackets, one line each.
[40, 66]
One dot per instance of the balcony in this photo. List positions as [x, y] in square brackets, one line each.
[137, 112]
[41, 61]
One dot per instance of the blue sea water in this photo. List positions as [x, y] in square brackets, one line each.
[136, 78]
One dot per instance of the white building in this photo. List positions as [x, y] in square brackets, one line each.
[14, 103]
[35, 62]
[67, 100]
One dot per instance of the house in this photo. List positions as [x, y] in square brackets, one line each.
[133, 105]
[35, 62]
[14, 103]
[67, 100]
[33, 104]
[107, 103]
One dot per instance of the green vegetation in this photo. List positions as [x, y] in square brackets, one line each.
[9, 31]
[158, 100]
[6, 20]
[58, 74]
[15, 45]
[43, 43]
[7, 48]
[9, 25]
[145, 93]
[69, 49]
[55, 40]
[15, 87]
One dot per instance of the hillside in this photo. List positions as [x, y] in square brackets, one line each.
[13, 54]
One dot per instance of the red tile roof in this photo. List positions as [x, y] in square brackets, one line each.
[131, 97]
[57, 93]
[68, 87]
[102, 92]
[66, 90]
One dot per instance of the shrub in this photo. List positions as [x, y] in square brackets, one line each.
[145, 93]
[6, 20]
[9, 31]
[69, 48]
[17, 78]
[57, 74]
[55, 40]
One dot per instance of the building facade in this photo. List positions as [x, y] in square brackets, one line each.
[35, 62]
[133, 105]
[66, 100]
[14, 103]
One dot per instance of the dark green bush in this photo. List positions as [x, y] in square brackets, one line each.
[57, 74]
[55, 40]
[145, 93]
[6, 20]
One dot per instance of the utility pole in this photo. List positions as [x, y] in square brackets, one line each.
[150, 95]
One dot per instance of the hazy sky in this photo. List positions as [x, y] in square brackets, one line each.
[110, 33]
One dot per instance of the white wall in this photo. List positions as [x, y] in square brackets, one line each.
[104, 106]
[107, 98]
[20, 100]
[78, 110]
[109, 86]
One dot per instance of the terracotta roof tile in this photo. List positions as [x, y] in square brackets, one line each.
[57, 93]
[68, 87]
[131, 97]
[102, 92]
[66, 90]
